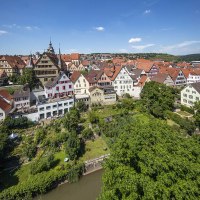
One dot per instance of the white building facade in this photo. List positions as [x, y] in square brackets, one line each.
[81, 86]
[54, 107]
[123, 83]
[190, 94]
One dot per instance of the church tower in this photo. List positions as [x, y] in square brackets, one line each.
[50, 49]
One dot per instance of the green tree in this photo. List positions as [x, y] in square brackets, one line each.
[93, 117]
[29, 77]
[73, 146]
[3, 141]
[149, 160]
[197, 113]
[72, 119]
[87, 134]
[81, 106]
[157, 98]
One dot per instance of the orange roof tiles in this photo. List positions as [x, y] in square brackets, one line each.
[4, 93]
[75, 76]
[75, 56]
[4, 105]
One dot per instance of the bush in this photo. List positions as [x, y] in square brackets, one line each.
[75, 172]
[42, 182]
[21, 122]
[42, 164]
[87, 134]
[37, 184]
[185, 124]
[187, 109]
[93, 118]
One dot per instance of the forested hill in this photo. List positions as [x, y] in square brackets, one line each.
[162, 56]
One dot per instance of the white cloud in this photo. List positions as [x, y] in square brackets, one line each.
[15, 26]
[147, 12]
[133, 40]
[142, 47]
[11, 26]
[180, 45]
[100, 28]
[2, 32]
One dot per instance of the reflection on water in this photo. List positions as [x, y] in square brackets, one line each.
[88, 188]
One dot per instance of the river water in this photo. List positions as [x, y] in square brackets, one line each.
[87, 188]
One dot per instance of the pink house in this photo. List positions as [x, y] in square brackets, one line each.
[61, 86]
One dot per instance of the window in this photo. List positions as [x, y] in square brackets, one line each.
[48, 107]
[190, 102]
[1, 114]
[185, 95]
[197, 98]
[184, 100]
[193, 92]
[45, 79]
[60, 105]
[57, 88]
[63, 87]
[70, 86]
[190, 97]
[187, 90]
[65, 104]
[54, 106]
[42, 108]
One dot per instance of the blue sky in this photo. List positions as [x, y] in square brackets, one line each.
[166, 26]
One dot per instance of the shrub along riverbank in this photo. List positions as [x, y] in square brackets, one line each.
[42, 182]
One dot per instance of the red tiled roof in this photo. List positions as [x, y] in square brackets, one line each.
[160, 78]
[14, 61]
[4, 93]
[144, 64]
[75, 56]
[4, 105]
[75, 76]
[112, 72]
[186, 72]
[142, 81]
[85, 62]
[66, 57]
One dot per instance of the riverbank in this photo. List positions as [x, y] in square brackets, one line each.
[88, 187]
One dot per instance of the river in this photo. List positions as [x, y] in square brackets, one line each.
[88, 188]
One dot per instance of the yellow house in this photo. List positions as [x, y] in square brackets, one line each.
[102, 95]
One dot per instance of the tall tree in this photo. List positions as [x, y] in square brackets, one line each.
[149, 160]
[157, 98]
[29, 77]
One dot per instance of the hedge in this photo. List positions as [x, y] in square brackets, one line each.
[38, 184]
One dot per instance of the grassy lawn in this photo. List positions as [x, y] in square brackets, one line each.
[95, 149]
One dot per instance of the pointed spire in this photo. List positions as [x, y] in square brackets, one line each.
[59, 59]
[50, 49]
